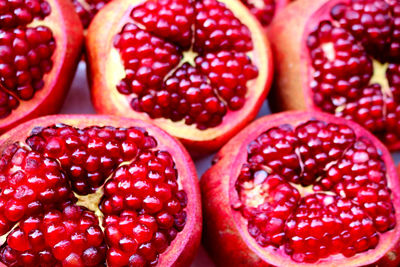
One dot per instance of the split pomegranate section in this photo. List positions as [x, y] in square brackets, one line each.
[302, 187]
[38, 57]
[96, 190]
[198, 69]
[341, 57]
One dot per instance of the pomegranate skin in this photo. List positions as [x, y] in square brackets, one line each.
[183, 249]
[289, 92]
[288, 34]
[226, 236]
[68, 33]
[107, 100]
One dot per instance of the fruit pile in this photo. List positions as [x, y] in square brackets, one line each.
[177, 80]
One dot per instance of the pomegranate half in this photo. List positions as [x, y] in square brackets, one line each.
[198, 69]
[88, 190]
[302, 189]
[40, 45]
[341, 57]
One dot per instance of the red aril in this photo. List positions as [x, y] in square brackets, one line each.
[341, 57]
[198, 69]
[301, 188]
[40, 44]
[87, 190]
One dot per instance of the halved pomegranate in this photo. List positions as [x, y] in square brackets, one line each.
[341, 57]
[87, 190]
[301, 188]
[40, 44]
[198, 69]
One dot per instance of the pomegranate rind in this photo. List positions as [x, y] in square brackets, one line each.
[106, 70]
[183, 248]
[286, 36]
[279, 6]
[226, 235]
[68, 33]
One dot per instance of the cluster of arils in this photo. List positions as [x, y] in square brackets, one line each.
[351, 203]
[143, 206]
[26, 51]
[199, 94]
[361, 40]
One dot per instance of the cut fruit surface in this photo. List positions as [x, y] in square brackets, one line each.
[38, 57]
[198, 69]
[299, 189]
[341, 57]
[95, 190]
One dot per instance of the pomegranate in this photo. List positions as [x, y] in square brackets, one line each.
[40, 44]
[198, 69]
[87, 190]
[300, 188]
[341, 57]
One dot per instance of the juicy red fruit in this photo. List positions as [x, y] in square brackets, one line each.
[315, 190]
[70, 236]
[89, 155]
[29, 183]
[346, 51]
[158, 74]
[143, 207]
[26, 51]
